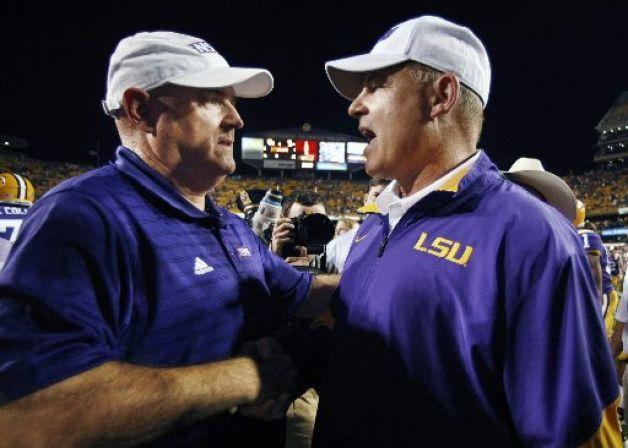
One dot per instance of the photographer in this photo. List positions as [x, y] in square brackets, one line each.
[304, 230]
[300, 237]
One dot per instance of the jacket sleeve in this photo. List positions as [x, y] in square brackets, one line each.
[559, 378]
[61, 311]
[286, 283]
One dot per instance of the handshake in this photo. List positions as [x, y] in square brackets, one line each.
[277, 375]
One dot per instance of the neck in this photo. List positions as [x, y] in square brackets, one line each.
[445, 156]
[188, 179]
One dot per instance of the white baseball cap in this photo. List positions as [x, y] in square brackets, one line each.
[151, 59]
[555, 191]
[430, 40]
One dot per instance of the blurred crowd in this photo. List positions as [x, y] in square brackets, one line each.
[600, 190]
[42, 173]
[342, 197]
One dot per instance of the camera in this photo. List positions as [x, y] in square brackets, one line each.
[311, 231]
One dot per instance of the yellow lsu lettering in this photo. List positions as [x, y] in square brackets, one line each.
[444, 248]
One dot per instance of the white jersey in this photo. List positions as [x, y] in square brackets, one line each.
[11, 217]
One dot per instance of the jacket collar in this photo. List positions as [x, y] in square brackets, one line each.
[157, 186]
[462, 191]
[389, 202]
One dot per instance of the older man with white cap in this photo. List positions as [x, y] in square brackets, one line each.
[129, 294]
[466, 315]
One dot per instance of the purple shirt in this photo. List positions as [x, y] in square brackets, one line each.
[117, 265]
[474, 323]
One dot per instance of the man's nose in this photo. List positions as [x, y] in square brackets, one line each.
[357, 108]
[233, 118]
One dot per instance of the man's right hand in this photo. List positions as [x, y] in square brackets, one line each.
[278, 380]
[283, 234]
[283, 239]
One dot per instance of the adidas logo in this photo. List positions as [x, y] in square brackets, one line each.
[200, 267]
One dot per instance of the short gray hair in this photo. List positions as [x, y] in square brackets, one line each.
[469, 109]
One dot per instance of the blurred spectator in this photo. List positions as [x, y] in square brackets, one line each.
[600, 189]
[344, 225]
[302, 411]
[283, 237]
[303, 203]
[16, 197]
[337, 250]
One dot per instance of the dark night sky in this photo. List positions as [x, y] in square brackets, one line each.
[557, 68]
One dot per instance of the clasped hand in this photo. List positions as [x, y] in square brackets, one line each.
[278, 379]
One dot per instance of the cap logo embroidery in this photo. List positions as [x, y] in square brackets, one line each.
[202, 47]
[387, 34]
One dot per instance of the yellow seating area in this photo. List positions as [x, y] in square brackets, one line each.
[599, 190]
[44, 175]
[341, 197]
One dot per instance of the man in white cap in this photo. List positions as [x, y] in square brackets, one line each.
[130, 294]
[466, 315]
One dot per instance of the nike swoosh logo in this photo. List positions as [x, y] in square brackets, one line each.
[360, 238]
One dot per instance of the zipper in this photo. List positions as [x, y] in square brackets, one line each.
[403, 222]
[382, 246]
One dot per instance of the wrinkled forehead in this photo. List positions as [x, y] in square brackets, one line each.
[193, 92]
[382, 74]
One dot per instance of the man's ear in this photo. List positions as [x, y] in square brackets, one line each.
[135, 103]
[446, 91]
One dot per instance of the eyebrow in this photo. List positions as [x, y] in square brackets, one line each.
[374, 76]
[378, 75]
[222, 93]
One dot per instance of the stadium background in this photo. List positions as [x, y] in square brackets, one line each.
[557, 90]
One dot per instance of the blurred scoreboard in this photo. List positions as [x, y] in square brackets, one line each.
[290, 154]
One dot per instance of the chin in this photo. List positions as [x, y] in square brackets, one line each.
[229, 167]
[224, 163]
[372, 169]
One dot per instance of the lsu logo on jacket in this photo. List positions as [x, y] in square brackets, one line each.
[440, 247]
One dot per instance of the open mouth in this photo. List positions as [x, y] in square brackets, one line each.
[367, 133]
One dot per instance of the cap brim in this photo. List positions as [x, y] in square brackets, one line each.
[555, 190]
[346, 75]
[247, 82]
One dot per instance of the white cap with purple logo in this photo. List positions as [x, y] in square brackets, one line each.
[148, 60]
[432, 41]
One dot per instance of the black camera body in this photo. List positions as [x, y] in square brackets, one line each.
[311, 231]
